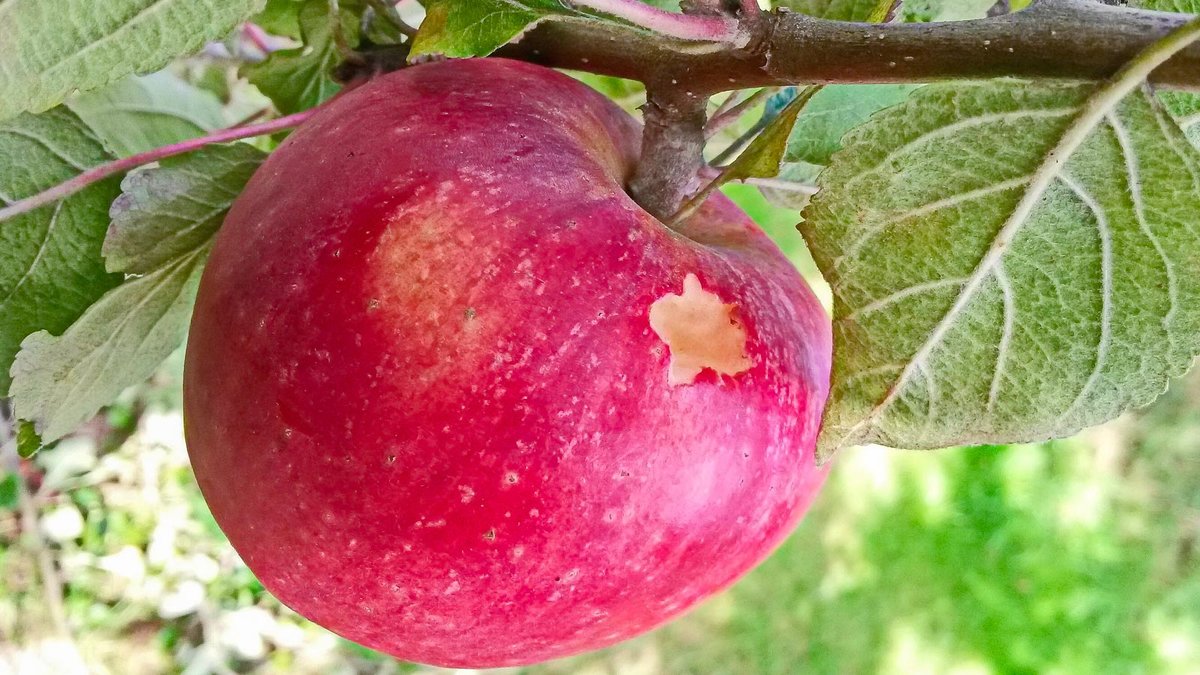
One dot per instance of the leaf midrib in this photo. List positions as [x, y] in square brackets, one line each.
[1102, 102]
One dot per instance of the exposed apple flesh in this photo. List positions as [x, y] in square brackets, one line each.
[453, 395]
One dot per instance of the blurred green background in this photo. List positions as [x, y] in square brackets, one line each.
[1077, 556]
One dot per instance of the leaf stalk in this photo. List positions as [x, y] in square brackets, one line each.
[99, 173]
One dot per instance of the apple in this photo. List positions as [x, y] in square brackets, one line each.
[452, 394]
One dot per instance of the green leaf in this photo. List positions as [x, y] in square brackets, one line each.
[462, 28]
[162, 229]
[945, 10]
[142, 113]
[50, 265]
[298, 79]
[838, 10]
[281, 17]
[9, 489]
[60, 382]
[1185, 108]
[835, 110]
[28, 441]
[166, 213]
[52, 48]
[1009, 262]
[762, 158]
[454, 29]
[793, 187]
[1180, 6]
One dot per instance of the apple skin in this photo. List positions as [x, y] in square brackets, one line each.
[423, 397]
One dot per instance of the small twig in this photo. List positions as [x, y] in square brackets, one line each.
[738, 143]
[258, 37]
[999, 9]
[727, 103]
[340, 41]
[671, 24]
[886, 11]
[720, 120]
[99, 173]
[52, 586]
[772, 138]
[388, 11]
[709, 7]
[374, 60]
[252, 117]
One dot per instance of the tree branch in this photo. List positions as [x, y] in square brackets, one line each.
[1053, 39]
[1057, 39]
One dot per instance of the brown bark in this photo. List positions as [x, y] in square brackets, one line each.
[1055, 39]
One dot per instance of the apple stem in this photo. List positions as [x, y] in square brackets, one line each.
[672, 149]
[670, 24]
[99, 173]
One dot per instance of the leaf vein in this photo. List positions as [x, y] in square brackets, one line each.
[92, 372]
[1076, 133]
[892, 298]
[1125, 142]
[955, 128]
[45, 143]
[1005, 336]
[1106, 271]
[927, 209]
[37, 258]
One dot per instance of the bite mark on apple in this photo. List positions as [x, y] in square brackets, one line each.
[702, 331]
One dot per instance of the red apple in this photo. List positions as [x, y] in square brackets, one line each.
[453, 395]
